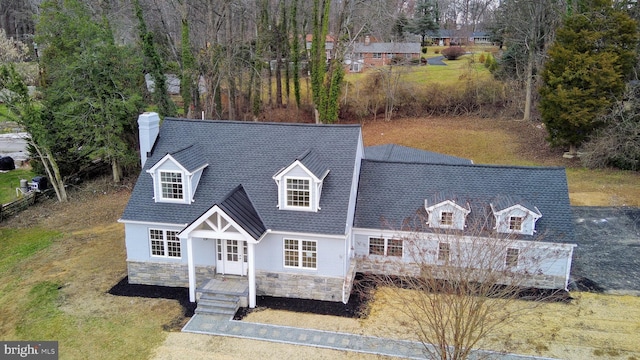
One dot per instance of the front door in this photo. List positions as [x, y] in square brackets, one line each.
[232, 256]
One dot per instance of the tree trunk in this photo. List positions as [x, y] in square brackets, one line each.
[529, 86]
[116, 171]
[54, 176]
[231, 84]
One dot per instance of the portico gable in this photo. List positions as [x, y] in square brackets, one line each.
[234, 221]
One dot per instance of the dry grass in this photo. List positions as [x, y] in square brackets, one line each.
[591, 326]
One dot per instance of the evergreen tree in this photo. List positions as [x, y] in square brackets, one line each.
[154, 65]
[425, 20]
[189, 74]
[592, 56]
[91, 88]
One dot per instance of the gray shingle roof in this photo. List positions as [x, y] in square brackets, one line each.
[249, 153]
[399, 153]
[392, 193]
[190, 157]
[314, 163]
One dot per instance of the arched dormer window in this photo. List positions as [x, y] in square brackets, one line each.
[445, 212]
[514, 215]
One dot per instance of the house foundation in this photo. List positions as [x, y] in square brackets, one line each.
[166, 274]
[299, 286]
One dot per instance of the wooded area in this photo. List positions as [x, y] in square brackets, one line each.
[567, 63]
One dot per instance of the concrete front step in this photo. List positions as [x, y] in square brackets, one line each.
[223, 304]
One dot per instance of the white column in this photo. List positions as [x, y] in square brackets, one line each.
[192, 270]
[252, 275]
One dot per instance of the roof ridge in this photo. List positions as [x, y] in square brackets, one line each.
[260, 122]
[495, 166]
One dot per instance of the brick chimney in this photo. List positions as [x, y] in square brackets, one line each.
[367, 40]
[148, 127]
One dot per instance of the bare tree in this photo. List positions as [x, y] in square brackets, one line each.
[461, 286]
[531, 25]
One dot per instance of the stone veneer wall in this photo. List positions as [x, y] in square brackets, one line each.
[398, 268]
[299, 286]
[166, 274]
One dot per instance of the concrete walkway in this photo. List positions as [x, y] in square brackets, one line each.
[222, 326]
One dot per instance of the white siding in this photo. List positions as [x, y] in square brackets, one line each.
[330, 255]
[138, 246]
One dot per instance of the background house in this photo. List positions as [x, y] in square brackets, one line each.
[369, 54]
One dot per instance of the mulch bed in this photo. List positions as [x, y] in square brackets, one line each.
[355, 308]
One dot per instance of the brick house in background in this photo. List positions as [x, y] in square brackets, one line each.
[368, 54]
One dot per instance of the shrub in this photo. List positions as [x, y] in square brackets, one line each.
[453, 52]
[424, 50]
[481, 58]
[436, 51]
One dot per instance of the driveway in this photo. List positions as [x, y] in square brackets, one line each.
[14, 145]
[436, 61]
[608, 254]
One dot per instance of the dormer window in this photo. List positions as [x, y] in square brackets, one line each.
[176, 175]
[514, 215]
[445, 212]
[300, 183]
[171, 184]
[298, 193]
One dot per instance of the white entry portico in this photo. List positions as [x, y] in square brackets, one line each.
[235, 247]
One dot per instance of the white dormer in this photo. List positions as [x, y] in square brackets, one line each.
[515, 218]
[176, 181]
[447, 214]
[300, 183]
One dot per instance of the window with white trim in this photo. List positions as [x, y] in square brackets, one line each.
[298, 192]
[512, 257]
[377, 55]
[171, 186]
[444, 252]
[164, 243]
[300, 253]
[515, 223]
[385, 247]
[446, 218]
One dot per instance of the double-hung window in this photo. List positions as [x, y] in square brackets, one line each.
[515, 223]
[164, 243]
[298, 192]
[444, 252]
[385, 247]
[512, 257]
[171, 185]
[300, 253]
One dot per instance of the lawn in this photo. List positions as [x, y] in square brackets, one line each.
[9, 181]
[58, 263]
